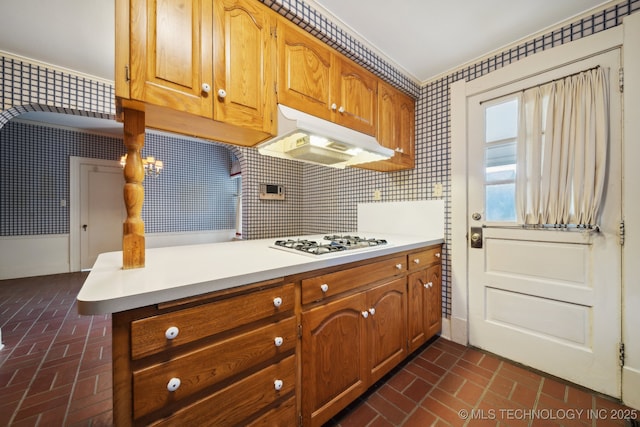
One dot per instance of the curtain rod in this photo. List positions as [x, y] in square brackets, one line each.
[541, 84]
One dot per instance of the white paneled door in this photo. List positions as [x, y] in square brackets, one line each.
[102, 211]
[550, 299]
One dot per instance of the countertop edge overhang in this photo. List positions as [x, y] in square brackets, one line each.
[179, 272]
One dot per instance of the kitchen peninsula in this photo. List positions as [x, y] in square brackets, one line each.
[266, 334]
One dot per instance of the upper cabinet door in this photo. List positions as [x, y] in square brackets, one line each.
[244, 70]
[171, 54]
[355, 97]
[304, 71]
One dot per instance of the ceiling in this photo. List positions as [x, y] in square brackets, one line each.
[422, 38]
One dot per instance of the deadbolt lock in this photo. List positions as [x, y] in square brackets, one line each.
[476, 237]
[476, 216]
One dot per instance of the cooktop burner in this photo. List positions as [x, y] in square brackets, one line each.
[330, 244]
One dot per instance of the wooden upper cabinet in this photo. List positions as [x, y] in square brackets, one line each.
[355, 97]
[396, 129]
[171, 54]
[304, 71]
[244, 70]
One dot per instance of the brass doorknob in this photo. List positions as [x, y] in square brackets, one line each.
[475, 237]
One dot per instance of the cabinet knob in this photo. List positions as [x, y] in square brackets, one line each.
[278, 384]
[372, 311]
[171, 332]
[206, 88]
[334, 107]
[277, 302]
[438, 255]
[278, 341]
[222, 94]
[173, 384]
[428, 285]
[324, 288]
[365, 314]
[416, 261]
[341, 109]
[399, 266]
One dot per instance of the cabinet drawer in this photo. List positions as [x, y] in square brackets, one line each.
[233, 404]
[282, 416]
[208, 365]
[425, 258]
[158, 333]
[317, 288]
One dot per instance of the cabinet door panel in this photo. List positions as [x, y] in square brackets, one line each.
[335, 358]
[387, 327]
[433, 321]
[304, 72]
[171, 53]
[244, 61]
[417, 309]
[356, 93]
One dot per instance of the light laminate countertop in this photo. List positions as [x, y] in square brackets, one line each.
[183, 271]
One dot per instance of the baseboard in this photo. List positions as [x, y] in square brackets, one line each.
[459, 331]
[631, 387]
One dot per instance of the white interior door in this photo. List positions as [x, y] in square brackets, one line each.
[548, 299]
[102, 211]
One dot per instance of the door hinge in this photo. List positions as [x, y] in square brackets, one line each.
[621, 80]
[300, 420]
[621, 233]
[621, 353]
[274, 32]
[299, 331]
[275, 88]
[126, 73]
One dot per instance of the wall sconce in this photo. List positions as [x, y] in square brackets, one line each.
[152, 167]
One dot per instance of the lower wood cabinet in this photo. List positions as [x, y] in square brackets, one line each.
[285, 352]
[348, 344]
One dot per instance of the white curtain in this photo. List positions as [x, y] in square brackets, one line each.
[563, 133]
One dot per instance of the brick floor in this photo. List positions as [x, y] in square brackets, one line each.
[55, 370]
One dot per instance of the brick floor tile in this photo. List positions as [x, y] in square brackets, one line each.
[420, 418]
[385, 408]
[446, 360]
[447, 414]
[417, 390]
[450, 383]
[404, 403]
[502, 386]
[474, 376]
[401, 379]
[422, 373]
[470, 393]
[361, 415]
[524, 396]
[554, 388]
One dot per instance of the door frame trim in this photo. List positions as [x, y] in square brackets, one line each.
[460, 92]
[75, 213]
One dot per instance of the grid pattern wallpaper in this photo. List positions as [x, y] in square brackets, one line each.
[194, 191]
[321, 199]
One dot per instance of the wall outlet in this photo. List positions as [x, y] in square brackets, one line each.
[437, 190]
[377, 195]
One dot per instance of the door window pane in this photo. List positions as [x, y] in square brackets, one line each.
[501, 131]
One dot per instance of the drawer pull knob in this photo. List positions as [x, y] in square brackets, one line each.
[438, 255]
[222, 94]
[416, 261]
[365, 314]
[278, 341]
[278, 384]
[171, 332]
[428, 285]
[277, 302]
[372, 311]
[206, 88]
[173, 384]
[399, 266]
[324, 288]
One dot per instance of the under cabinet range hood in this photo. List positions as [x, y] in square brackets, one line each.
[306, 138]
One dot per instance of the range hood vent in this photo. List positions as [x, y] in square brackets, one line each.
[306, 138]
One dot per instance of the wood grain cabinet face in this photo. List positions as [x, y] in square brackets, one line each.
[349, 343]
[396, 128]
[355, 97]
[304, 71]
[209, 59]
[244, 58]
[424, 317]
[171, 54]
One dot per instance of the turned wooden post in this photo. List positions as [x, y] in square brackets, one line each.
[133, 227]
